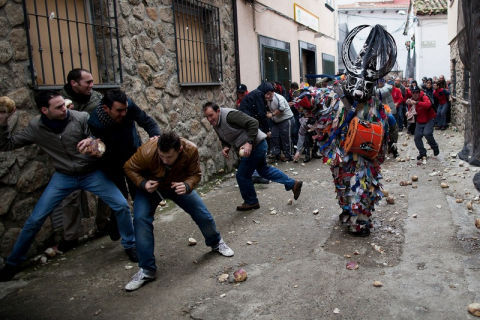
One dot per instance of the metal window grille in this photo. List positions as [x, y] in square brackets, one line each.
[197, 43]
[466, 85]
[67, 34]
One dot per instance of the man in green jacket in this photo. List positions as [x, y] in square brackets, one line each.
[79, 89]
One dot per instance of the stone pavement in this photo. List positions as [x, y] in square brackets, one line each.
[424, 250]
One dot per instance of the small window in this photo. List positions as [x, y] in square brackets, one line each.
[275, 60]
[198, 43]
[454, 78]
[328, 64]
[64, 35]
[466, 85]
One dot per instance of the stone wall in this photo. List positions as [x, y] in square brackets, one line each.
[459, 106]
[147, 43]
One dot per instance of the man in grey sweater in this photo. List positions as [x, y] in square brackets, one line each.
[239, 131]
[64, 135]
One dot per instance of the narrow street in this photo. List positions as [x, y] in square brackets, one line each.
[424, 251]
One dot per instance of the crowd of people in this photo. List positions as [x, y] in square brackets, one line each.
[350, 121]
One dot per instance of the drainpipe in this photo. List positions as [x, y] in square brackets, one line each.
[235, 40]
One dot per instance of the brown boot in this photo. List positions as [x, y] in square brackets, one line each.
[297, 188]
[246, 207]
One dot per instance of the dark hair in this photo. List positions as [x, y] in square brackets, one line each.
[43, 98]
[76, 74]
[169, 140]
[412, 83]
[294, 85]
[115, 95]
[212, 105]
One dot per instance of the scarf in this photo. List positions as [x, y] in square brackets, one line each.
[57, 126]
[103, 117]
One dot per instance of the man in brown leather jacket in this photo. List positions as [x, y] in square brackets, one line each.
[166, 168]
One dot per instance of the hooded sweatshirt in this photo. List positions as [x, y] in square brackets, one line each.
[424, 109]
[255, 105]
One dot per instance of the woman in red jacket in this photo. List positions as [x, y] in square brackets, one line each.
[425, 121]
[441, 95]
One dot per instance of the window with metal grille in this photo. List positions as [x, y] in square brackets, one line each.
[466, 85]
[198, 44]
[65, 34]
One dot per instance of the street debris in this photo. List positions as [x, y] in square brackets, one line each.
[315, 211]
[290, 201]
[377, 284]
[474, 308]
[414, 215]
[223, 277]
[390, 200]
[477, 223]
[414, 178]
[192, 241]
[240, 275]
[336, 310]
[352, 265]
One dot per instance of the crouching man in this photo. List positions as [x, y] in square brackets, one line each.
[64, 135]
[167, 168]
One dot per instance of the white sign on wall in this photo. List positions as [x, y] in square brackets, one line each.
[428, 44]
[306, 18]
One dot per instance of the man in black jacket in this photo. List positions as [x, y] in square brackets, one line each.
[114, 123]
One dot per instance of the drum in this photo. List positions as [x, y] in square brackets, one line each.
[364, 138]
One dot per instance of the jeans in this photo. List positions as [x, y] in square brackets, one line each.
[400, 116]
[60, 186]
[143, 215]
[258, 160]
[425, 130]
[442, 115]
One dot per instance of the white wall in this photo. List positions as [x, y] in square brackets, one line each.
[432, 61]
[269, 24]
[394, 23]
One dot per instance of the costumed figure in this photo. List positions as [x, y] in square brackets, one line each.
[353, 129]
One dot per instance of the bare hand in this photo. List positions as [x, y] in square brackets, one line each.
[151, 186]
[89, 147]
[179, 188]
[296, 156]
[247, 149]
[225, 152]
[153, 138]
[269, 115]
[4, 116]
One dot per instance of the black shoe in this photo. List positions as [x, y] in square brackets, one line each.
[307, 159]
[297, 188]
[436, 152]
[246, 207]
[67, 245]
[420, 156]
[260, 180]
[395, 155]
[132, 254]
[8, 272]
[113, 228]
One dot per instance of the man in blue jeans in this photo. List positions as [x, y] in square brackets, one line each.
[64, 135]
[167, 168]
[236, 129]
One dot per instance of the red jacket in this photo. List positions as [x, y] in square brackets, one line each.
[408, 95]
[424, 109]
[397, 96]
[441, 95]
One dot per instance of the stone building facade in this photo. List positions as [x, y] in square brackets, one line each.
[459, 105]
[147, 48]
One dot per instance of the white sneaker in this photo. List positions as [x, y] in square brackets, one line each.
[138, 280]
[223, 249]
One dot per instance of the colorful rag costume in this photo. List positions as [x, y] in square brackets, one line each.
[356, 177]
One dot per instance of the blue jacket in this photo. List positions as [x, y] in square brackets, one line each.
[122, 139]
